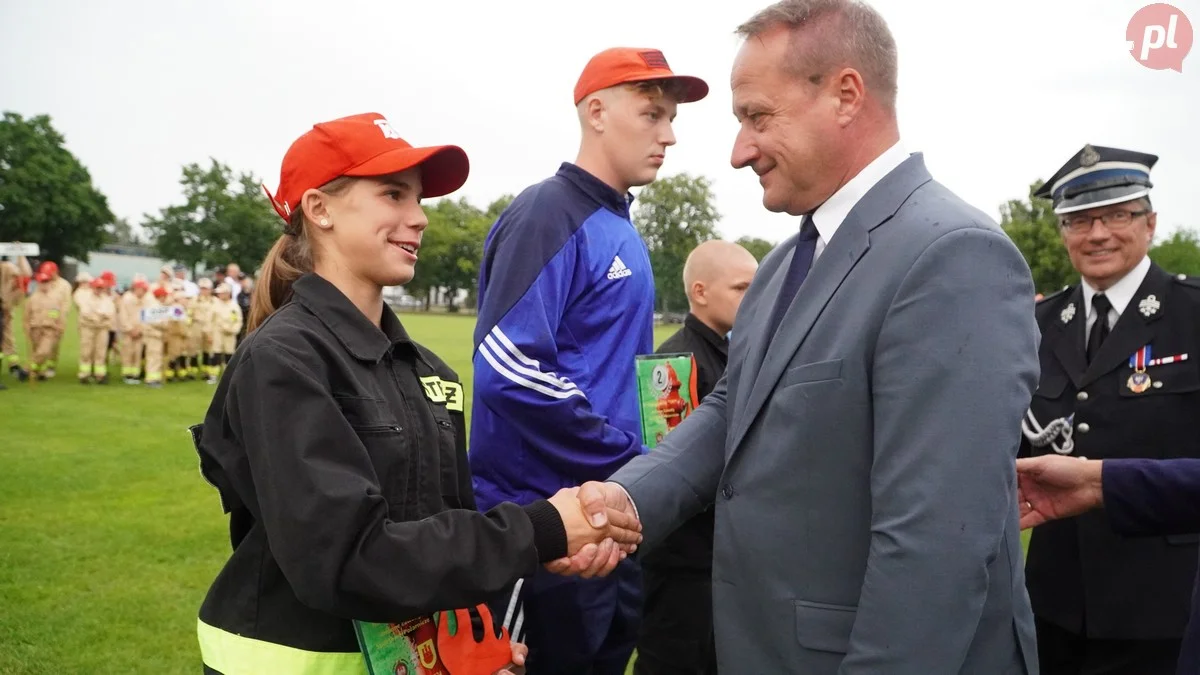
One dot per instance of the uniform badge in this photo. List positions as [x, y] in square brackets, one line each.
[1068, 313]
[1149, 305]
[1089, 157]
[1139, 381]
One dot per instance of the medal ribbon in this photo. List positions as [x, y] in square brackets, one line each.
[1139, 360]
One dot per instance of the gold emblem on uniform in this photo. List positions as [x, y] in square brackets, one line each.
[1149, 306]
[1138, 382]
[1068, 313]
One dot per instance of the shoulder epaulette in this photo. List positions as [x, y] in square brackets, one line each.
[1052, 296]
[1184, 279]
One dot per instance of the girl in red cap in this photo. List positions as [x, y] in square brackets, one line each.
[337, 443]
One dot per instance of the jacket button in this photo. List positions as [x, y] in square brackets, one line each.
[1084, 428]
[727, 491]
[1081, 396]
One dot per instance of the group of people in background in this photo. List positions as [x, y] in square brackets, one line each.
[171, 330]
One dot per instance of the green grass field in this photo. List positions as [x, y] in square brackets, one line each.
[109, 537]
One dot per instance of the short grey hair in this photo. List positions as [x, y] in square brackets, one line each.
[848, 33]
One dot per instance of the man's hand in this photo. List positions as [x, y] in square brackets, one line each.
[1055, 486]
[604, 504]
[613, 532]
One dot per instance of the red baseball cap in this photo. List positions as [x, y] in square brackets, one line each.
[362, 145]
[109, 278]
[630, 64]
[49, 267]
[99, 282]
[41, 277]
[160, 291]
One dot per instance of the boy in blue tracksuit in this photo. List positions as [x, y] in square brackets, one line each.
[566, 301]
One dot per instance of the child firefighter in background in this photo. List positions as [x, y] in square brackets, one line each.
[132, 335]
[154, 333]
[96, 312]
[83, 288]
[176, 331]
[226, 322]
[45, 319]
[200, 313]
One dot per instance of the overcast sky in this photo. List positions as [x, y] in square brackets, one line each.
[995, 94]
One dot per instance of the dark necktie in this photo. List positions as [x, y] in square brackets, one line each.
[1101, 304]
[806, 248]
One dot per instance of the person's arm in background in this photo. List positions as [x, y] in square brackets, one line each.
[1142, 497]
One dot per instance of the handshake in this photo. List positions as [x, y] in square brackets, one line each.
[602, 529]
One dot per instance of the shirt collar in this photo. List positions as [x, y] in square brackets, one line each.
[357, 334]
[1121, 293]
[705, 331]
[829, 216]
[596, 189]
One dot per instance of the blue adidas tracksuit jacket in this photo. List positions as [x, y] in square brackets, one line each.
[566, 301]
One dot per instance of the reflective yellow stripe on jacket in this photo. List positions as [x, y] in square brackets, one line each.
[231, 654]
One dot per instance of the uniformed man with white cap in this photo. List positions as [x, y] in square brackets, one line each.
[1120, 377]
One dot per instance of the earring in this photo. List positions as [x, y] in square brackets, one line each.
[324, 222]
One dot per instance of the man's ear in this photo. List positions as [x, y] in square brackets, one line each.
[595, 108]
[699, 294]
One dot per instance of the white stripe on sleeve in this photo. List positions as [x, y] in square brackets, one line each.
[524, 382]
[531, 370]
[515, 351]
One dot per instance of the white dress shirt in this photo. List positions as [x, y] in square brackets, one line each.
[1119, 294]
[829, 216]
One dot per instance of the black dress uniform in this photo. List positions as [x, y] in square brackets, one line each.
[1105, 603]
[328, 439]
[676, 634]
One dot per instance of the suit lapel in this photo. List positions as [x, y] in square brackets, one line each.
[1068, 337]
[837, 260]
[757, 338]
[1135, 328]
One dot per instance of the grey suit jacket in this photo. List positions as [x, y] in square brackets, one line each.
[862, 462]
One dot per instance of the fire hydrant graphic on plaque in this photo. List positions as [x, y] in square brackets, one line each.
[666, 393]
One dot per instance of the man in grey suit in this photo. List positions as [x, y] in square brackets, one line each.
[859, 451]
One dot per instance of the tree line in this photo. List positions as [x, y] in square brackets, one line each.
[47, 196]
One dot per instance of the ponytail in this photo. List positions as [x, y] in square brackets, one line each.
[288, 260]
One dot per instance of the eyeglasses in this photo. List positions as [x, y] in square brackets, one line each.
[1115, 220]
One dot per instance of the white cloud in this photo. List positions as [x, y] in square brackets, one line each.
[994, 95]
